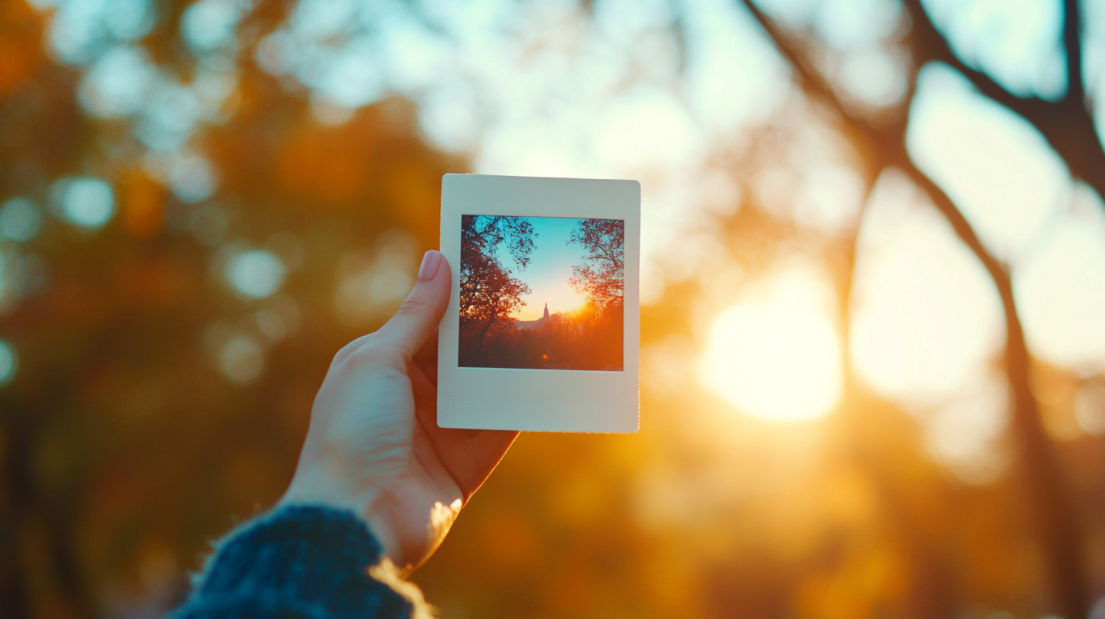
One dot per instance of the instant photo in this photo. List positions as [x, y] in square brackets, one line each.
[542, 328]
[541, 293]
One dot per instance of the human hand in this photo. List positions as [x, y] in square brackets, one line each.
[374, 445]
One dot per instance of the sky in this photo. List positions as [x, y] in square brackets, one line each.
[549, 269]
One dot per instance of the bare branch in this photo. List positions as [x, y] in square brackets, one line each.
[1072, 44]
[1066, 124]
[929, 45]
[891, 152]
[1054, 512]
[1056, 524]
[864, 136]
[811, 80]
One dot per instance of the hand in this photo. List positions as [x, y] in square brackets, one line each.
[374, 446]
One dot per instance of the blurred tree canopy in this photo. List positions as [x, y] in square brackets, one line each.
[189, 230]
[170, 346]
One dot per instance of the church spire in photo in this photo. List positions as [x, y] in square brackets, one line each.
[546, 310]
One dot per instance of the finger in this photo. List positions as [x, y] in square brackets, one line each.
[425, 392]
[428, 352]
[418, 317]
[426, 358]
[430, 371]
[425, 395]
[469, 456]
[350, 348]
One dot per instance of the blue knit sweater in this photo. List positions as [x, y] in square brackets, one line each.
[297, 562]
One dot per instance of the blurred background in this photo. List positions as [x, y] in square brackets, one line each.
[873, 279]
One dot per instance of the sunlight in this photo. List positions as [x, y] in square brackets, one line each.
[560, 298]
[776, 356]
[571, 303]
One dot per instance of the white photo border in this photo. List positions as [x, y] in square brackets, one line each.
[539, 399]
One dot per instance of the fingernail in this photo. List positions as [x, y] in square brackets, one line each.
[430, 262]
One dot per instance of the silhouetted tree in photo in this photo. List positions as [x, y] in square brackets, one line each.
[601, 277]
[587, 339]
[488, 292]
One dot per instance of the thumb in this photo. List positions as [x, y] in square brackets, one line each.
[420, 313]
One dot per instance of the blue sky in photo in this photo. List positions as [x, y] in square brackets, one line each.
[549, 269]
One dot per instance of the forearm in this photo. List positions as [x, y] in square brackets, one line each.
[306, 561]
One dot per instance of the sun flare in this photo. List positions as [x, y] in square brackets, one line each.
[776, 357]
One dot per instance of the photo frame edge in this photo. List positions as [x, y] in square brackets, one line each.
[454, 199]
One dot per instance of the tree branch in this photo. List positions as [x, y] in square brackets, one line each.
[1055, 518]
[809, 78]
[865, 136]
[1072, 44]
[1066, 124]
[885, 146]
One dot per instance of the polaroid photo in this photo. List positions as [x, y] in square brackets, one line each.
[542, 332]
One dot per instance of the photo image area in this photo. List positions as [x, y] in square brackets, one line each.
[541, 293]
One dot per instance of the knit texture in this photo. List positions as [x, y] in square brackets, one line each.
[299, 561]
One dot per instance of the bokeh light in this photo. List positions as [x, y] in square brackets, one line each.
[374, 283]
[965, 431]
[242, 359]
[776, 355]
[192, 179]
[256, 273]
[85, 202]
[20, 220]
[209, 24]
[119, 82]
[9, 363]
[1090, 408]
[1061, 287]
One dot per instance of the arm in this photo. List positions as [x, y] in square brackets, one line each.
[378, 483]
[302, 562]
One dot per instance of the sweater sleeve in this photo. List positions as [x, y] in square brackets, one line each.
[301, 562]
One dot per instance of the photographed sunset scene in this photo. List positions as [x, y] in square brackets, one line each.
[550, 268]
[541, 293]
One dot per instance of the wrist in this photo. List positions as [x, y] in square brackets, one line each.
[374, 506]
[409, 527]
[316, 490]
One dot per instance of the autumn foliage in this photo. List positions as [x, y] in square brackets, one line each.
[488, 292]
